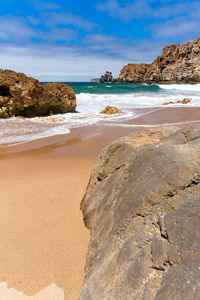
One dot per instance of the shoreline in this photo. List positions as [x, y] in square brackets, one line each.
[43, 238]
[100, 135]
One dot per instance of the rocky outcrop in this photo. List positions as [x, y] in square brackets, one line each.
[184, 101]
[178, 63]
[110, 110]
[142, 207]
[25, 96]
[134, 73]
[107, 77]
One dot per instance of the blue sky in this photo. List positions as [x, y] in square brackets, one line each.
[78, 40]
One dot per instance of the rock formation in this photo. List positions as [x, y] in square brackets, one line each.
[178, 63]
[107, 77]
[133, 73]
[184, 101]
[25, 96]
[142, 207]
[110, 110]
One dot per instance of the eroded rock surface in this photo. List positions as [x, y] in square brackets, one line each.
[25, 96]
[110, 110]
[134, 73]
[178, 63]
[142, 207]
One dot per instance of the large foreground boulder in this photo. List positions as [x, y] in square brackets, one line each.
[25, 96]
[142, 207]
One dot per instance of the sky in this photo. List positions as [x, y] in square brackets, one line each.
[77, 40]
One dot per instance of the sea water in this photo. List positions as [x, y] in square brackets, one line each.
[92, 98]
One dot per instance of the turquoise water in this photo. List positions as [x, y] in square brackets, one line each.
[92, 98]
[112, 88]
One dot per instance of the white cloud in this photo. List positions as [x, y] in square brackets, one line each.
[136, 9]
[167, 20]
[177, 28]
[61, 34]
[100, 38]
[67, 18]
[46, 6]
[63, 63]
[16, 29]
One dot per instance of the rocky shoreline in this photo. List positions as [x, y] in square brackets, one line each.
[177, 64]
[143, 211]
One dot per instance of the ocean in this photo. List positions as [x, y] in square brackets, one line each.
[91, 99]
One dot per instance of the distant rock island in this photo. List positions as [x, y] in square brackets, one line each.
[107, 77]
[25, 96]
[178, 63]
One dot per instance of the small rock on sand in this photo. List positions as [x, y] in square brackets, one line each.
[109, 110]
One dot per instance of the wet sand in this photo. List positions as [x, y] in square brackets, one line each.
[43, 240]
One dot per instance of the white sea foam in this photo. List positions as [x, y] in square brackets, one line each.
[89, 107]
[181, 87]
[24, 134]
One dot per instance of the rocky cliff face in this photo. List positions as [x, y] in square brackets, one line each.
[142, 207]
[133, 73]
[177, 64]
[25, 96]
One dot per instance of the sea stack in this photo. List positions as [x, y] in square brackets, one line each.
[178, 63]
[25, 96]
[107, 77]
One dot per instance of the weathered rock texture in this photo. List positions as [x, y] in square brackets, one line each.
[178, 63]
[142, 207]
[25, 96]
[133, 73]
[184, 101]
[110, 110]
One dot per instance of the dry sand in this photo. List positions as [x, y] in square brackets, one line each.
[42, 236]
[43, 241]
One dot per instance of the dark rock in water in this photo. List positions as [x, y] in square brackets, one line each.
[25, 96]
[106, 78]
[142, 207]
[178, 63]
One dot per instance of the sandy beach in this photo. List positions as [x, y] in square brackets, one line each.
[43, 238]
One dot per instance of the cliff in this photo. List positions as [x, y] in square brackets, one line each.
[25, 96]
[178, 63]
[134, 73]
[142, 208]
